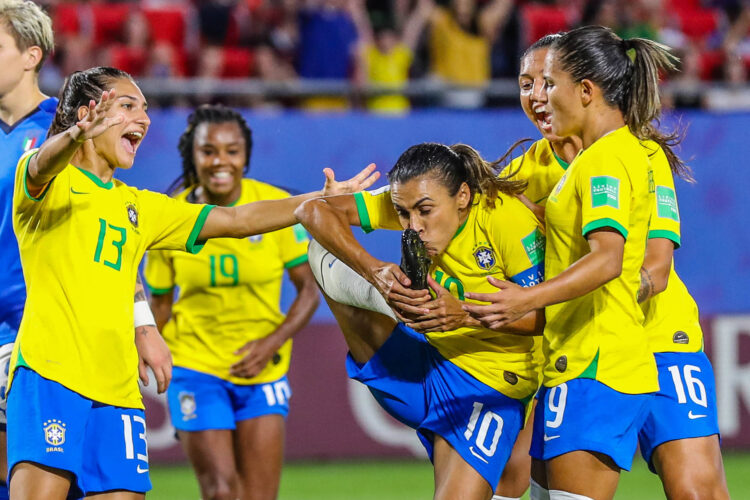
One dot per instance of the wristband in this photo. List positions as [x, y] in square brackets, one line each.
[142, 314]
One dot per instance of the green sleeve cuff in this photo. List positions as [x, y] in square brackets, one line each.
[663, 233]
[606, 222]
[364, 216]
[159, 291]
[193, 246]
[296, 262]
[26, 185]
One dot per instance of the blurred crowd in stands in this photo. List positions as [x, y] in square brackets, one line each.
[387, 43]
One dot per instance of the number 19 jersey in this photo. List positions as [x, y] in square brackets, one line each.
[80, 242]
[229, 294]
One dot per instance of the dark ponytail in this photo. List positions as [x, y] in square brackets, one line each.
[454, 165]
[208, 113]
[80, 88]
[627, 72]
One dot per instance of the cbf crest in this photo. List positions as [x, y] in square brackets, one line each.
[132, 214]
[54, 434]
[187, 405]
[485, 257]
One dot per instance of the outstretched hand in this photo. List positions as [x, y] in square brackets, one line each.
[96, 121]
[508, 304]
[364, 179]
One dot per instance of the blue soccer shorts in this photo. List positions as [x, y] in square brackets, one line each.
[416, 385]
[685, 405]
[103, 446]
[199, 402]
[584, 414]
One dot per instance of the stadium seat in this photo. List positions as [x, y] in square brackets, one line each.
[127, 59]
[65, 19]
[109, 19]
[167, 24]
[712, 62]
[237, 62]
[697, 23]
[539, 20]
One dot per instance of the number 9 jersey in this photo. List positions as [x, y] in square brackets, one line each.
[229, 294]
[80, 242]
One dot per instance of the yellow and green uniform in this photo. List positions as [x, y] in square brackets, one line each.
[540, 167]
[389, 70]
[506, 242]
[81, 241]
[600, 335]
[228, 294]
[671, 316]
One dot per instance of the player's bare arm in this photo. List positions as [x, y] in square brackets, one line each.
[57, 151]
[269, 215]
[657, 264]
[601, 265]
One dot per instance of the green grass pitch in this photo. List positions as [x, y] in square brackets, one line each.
[406, 480]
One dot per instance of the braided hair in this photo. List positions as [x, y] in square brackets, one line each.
[208, 113]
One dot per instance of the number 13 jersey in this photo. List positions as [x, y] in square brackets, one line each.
[80, 242]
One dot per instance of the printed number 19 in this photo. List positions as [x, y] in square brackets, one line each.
[225, 269]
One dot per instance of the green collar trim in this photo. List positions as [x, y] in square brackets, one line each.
[562, 162]
[96, 180]
[461, 227]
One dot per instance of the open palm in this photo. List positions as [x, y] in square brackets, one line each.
[97, 119]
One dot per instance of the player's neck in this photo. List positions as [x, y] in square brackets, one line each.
[86, 158]
[602, 120]
[21, 101]
[567, 148]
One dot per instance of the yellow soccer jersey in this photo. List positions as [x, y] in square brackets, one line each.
[229, 294]
[672, 316]
[600, 335]
[506, 242]
[81, 241]
[541, 168]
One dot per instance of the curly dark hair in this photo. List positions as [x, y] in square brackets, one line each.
[208, 113]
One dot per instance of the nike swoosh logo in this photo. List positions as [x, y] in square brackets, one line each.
[140, 470]
[330, 264]
[471, 449]
[693, 416]
[77, 192]
[550, 438]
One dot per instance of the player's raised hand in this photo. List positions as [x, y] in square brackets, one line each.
[98, 118]
[505, 306]
[444, 312]
[363, 180]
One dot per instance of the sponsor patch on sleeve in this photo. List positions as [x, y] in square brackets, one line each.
[605, 191]
[533, 244]
[666, 203]
[300, 234]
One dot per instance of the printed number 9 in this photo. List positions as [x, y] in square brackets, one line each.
[559, 408]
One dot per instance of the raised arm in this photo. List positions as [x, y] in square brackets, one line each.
[415, 23]
[361, 20]
[58, 150]
[493, 16]
[269, 215]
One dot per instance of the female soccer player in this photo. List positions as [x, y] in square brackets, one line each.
[231, 344]
[462, 387]
[683, 450]
[79, 425]
[603, 90]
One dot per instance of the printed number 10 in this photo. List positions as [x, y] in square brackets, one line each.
[484, 428]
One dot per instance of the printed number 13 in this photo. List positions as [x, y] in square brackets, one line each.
[117, 244]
